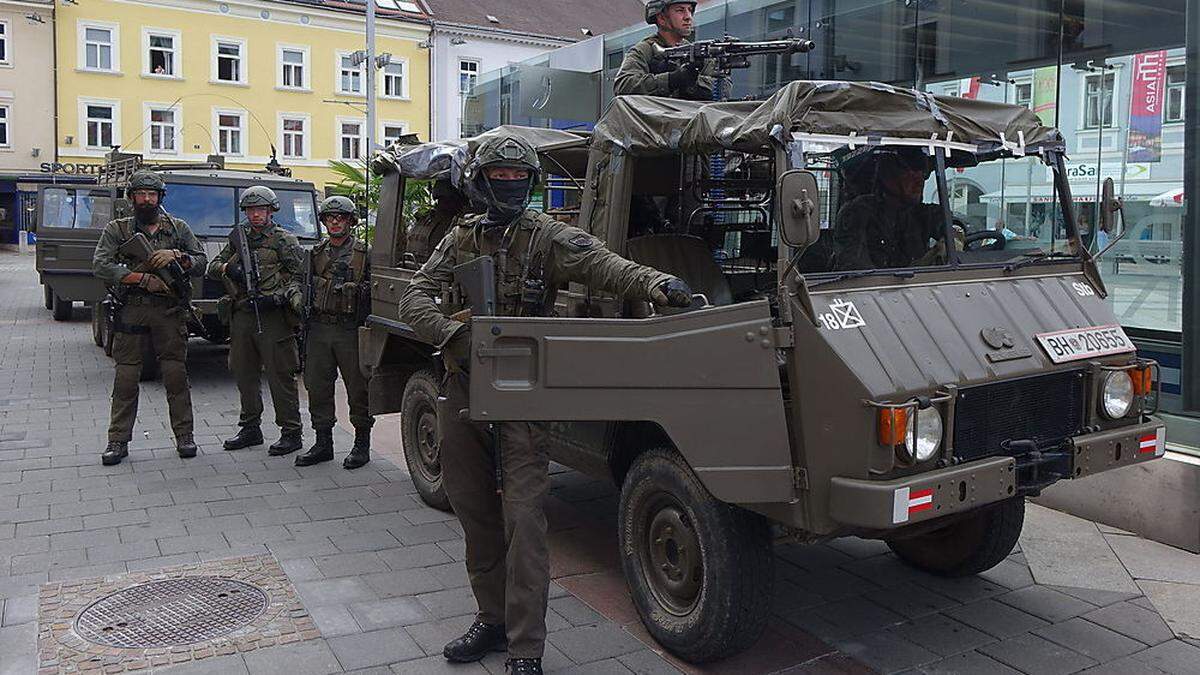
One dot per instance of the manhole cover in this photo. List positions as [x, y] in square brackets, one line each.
[171, 612]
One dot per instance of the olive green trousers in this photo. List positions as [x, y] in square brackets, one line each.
[158, 319]
[273, 351]
[332, 348]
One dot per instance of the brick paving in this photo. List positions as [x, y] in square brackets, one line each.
[381, 575]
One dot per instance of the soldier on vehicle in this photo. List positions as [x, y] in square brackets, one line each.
[644, 71]
[434, 223]
[507, 557]
[149, 312]
[886, 225]
[340, 297]
[278, 260]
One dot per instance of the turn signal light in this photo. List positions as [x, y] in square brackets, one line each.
[1143, 380]
[893, 426]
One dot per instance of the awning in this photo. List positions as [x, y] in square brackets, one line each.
[1169, 198]
[1042, 194]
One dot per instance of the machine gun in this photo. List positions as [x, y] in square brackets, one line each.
[138, 249]
[250, 278]
[729, 52]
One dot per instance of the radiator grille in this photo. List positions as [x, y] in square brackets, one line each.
[1045, 408]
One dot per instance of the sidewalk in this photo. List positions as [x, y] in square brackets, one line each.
[372, 581]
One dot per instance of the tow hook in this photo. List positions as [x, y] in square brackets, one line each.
[1037, 468]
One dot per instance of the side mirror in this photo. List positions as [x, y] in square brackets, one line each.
[798, 199]
[1110, 205]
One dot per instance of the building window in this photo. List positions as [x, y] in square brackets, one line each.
[229, 133]
[293, 65]
[293, 137]
[392, 133]
[1098, 100]
[350, 76]
[468, 75]
[230, 61]
[162, 53]
[4, 55]
[395, 84]
[97, 46]
[1023, 93]
[99, 119]
[162, 130]
[351, 141]
[4, 141]
[1174, 108]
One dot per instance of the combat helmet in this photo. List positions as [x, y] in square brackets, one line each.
[501, 150]
[336, 204]
[653, 7]
[144, 179]
[258, 195]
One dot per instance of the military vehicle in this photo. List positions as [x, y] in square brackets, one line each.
[797, 399]
[70, 219]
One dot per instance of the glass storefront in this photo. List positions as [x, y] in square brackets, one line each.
[1110, 75]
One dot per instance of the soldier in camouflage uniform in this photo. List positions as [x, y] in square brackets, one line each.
[887, 226]
[340, 296]
[150, 312]
[507, 556]
[280, 261]
[645, 72]
[433, 224]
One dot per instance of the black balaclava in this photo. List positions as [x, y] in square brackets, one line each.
[508, 200]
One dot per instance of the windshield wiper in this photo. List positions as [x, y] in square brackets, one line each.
[858, 274]
[1037, 257]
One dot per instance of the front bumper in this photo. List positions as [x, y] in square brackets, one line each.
[882, 505]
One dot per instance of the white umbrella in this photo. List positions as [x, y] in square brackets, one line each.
[1168, 198]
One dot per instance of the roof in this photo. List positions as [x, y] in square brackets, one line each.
[230, 176]
[384, 9]
[564, 19]
[651, 125]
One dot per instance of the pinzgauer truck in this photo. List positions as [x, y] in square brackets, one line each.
[854, 364]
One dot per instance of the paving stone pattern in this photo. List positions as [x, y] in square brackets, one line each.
[381, 575]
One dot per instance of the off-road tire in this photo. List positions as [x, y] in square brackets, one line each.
[418, 430]
[60, 309]
[970, 546]
[98, 325]
[736, 567]
[47, 296]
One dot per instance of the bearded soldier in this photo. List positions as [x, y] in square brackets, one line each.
[644, 71]
[340, 297]
[149, 311]
[263, 320]
[507, 558]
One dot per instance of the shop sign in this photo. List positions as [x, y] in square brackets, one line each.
[1146, 106]
[1084, 172]
[71, 168]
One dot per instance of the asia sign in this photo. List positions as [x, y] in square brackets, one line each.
[1146, 106]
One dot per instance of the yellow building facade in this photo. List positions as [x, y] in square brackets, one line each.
[178, 80]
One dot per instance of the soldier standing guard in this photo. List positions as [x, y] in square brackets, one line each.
[149, 310]
[265, 339]
[507, 556]
[340, 298]
[643, 71]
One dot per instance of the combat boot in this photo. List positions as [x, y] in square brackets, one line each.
[246, 437]
[524, 666]
[186, 446]
[360, 454]
[475, 644]
[289, 442]
[321, 451]
[114, 453]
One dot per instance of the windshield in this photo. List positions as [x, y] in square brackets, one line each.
[297, 213]
[210, 210]
[75, 208]
[883, 209]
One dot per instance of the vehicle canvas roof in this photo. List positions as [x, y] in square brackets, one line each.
[866, 112]
[446, 159]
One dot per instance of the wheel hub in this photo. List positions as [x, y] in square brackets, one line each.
[427, 443]
[672, 561]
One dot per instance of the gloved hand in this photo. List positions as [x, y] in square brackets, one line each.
[162, 257]
[234, 271]
[683, 77]
[456, 354]
[266, 302]
[672, 292]
[153, 284]
[296, 303]
[347, 288]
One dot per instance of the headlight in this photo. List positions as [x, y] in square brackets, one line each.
[928, 433]
[1116, 396]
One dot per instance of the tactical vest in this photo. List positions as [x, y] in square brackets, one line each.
[167, 235]
[328, 278]
[269, 250]
[522, 286]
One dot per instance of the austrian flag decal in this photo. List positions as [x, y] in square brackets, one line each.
[909, 501]
[1155, 443]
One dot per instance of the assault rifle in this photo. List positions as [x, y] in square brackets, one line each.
[250, 279]
[729, 52]
[138, 249]
[306, 311]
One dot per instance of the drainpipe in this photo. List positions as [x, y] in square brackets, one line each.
[433, 81]
[54, 69]
[1190, 375]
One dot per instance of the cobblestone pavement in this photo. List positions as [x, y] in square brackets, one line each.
[381, 575]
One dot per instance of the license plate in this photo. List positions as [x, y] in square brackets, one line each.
[1084, 343]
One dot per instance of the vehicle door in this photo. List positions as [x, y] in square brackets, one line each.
[709, 377]
[69, 223]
